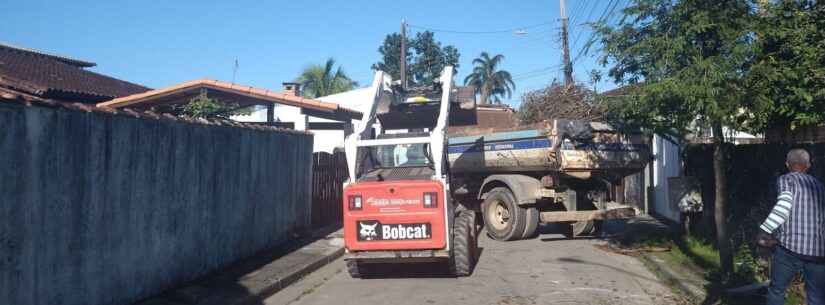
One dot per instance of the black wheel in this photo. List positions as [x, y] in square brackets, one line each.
[503, 218]
[575, 228]
[464, 244]
[531, 222]
[599, 197]
[597, 227]
[356, 269]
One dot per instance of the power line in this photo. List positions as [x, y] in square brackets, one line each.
[592, 9]
[478, 32]
[537, 71]
[537, 75]
[606, 14]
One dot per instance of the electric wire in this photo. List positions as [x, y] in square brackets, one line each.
[477, 32]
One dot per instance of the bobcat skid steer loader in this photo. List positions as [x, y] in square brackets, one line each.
[397, 202]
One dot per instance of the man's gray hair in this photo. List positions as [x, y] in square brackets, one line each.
[798, 157]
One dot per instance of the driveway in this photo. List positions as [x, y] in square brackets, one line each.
[548, 269]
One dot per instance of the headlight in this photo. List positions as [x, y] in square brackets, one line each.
[430, 200]
[354, 202]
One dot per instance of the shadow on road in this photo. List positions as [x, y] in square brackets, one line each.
[224, 286]
[415, 270]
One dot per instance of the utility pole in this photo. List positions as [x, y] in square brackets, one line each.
[568, 66]
[403, 62]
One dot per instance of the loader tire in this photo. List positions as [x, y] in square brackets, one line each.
[503, 218]
[464, 245]
[356, 269]
[532, 222]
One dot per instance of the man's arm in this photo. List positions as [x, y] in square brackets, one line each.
[782, 209]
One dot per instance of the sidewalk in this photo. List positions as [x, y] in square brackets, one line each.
[687, 281]
[255, 279]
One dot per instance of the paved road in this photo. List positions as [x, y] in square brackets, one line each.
[544, 270]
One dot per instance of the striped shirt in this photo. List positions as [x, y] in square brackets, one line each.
[799, 215]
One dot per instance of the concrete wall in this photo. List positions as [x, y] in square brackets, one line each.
[109, 209]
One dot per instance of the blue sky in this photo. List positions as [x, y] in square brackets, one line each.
[161, 43]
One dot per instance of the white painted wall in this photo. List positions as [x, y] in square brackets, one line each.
[325, 140]
[666, 163]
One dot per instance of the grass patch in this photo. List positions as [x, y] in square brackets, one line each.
[700, 257]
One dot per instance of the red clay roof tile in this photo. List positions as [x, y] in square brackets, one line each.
[266, 96]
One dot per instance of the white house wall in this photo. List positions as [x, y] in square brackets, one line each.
[324, 140]
[666, 164]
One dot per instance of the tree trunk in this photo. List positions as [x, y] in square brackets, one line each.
[484, 94]
[722, 236]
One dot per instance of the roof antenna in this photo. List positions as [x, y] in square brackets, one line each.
[234, 71]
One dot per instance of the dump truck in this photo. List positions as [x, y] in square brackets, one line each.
[415, 191]
[558, 171]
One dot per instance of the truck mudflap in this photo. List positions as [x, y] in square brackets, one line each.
[610, 213]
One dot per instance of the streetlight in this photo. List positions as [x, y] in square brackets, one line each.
[568, 66]
[523, 32]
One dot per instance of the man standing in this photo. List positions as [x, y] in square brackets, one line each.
[798, 219]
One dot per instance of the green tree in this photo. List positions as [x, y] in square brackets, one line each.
[490, 83]
[203, 106]
[426, 58]
[689, 58]
[322, 80]
[390, 53]
[788, 76]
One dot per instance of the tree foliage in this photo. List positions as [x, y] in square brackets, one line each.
[322, 80]
[426, 58]
[203, 106]
[690, 58]
[788, 75]
[490, 83]
[560, 101]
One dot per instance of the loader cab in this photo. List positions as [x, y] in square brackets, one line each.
[395, 162]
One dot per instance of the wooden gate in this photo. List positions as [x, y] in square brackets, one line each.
[329, 171]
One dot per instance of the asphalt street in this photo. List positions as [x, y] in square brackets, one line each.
[548, 269]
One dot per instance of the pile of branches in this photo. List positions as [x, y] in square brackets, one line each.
[560, 101]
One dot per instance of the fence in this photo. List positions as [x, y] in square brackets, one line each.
[99, 208]
[751, 173]
[329, 171]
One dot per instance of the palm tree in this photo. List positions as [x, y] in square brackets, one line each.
[490, 85]
[318, 80]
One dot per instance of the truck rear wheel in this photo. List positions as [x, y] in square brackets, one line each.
[356, 269]
[464, 244]
[532, 222]
[575, 228]
[503, 218]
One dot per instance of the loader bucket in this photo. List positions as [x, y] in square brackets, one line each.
[394, 114]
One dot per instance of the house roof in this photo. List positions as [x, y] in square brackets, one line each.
[164, 99]
[623, 91]
[68, 60]
[55, 77]
[16, 99]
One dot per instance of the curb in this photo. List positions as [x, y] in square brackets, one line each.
[259, 294]
[692, 292]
